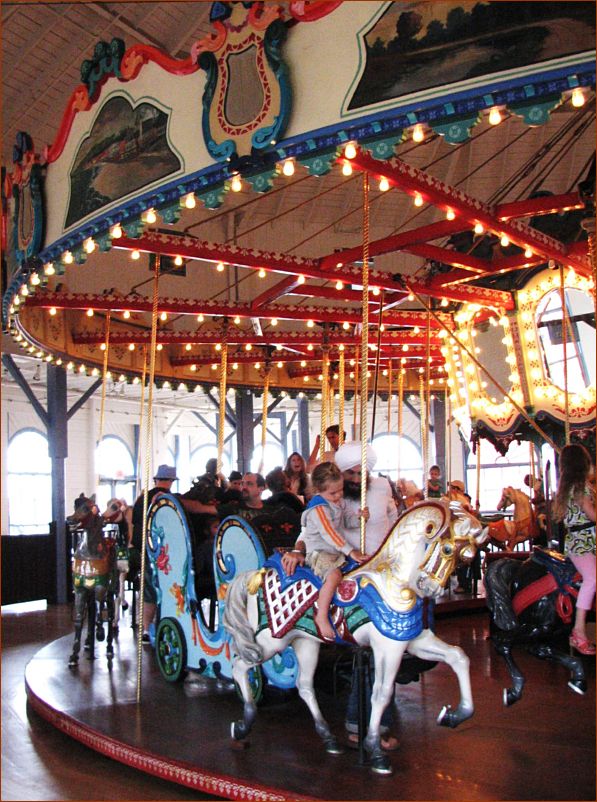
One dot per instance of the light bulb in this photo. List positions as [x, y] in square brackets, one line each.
[339, 285]
[49, 269]
[347, 169]
[300, 280]
[116, 231]
[200, 318]
[89, 313]
[310, 324]
[288, 167]
[236, 184]
[274, 321]
[350, 150]
[384, 184]
[178, 261]
[188, 347]
[418, 133]
[495, 116]
[528, 252]
[504, 241]
[89, 245]
[479, 228]
[126, 314]
[52, 310]
[418, 201]
[67, 258]
[190, 201]
[164, 316]
[262, 273]
[150, 216]
[220, 267]
[135, 255]
[578, 98]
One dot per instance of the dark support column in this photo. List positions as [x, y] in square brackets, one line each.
[439, 424]
[58, 451]
[244, 428]
[302, 405]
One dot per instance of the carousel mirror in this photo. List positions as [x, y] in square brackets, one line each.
[576, 347]
[244, 95]
[493, 352]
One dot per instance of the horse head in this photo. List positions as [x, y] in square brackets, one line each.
[115, 510]
[85, 510]
[507, 498]
[420, 553]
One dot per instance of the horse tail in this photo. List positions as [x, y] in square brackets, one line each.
[236, 620]
[498, 579]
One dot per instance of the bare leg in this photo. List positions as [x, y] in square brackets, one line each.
[326, 594]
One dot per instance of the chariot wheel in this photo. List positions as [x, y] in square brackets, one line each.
[171, 649]
[255, 683]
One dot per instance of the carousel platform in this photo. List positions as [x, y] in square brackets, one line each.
[541, 748]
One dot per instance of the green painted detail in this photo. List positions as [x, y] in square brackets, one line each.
[104, 241]
[214, 198]
[106, 61]
[383, 148]
[80, 256]
[456, 131]
[355, 617]
[535, 113]
[262, 182]
[133, 228]
[171, 213]
[320, 164]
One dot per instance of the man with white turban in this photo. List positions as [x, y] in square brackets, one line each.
[380, 502]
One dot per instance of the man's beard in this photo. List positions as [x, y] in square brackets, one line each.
[352, 490]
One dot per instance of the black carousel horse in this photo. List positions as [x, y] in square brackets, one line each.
[532, 603]
[94, 578]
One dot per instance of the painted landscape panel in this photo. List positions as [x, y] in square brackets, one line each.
[417, 46]
[126, 150]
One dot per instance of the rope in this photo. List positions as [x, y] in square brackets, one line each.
[264, 416]
[389, 395]
[401, 372]
[364, 354]
[564, 355]
[324, 400]
[222, 418]
[104, 379]
[148, 446]
[341, 377]
[141, 414]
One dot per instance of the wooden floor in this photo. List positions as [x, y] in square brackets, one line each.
[542, 748]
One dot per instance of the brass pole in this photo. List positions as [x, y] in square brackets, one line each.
[364, 354]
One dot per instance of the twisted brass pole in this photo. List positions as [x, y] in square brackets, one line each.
[364, 354]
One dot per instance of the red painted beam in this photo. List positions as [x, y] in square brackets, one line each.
[533, 207]
[396, 242]
[412, 180]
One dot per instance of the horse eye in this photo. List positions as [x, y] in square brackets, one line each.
[447, 549]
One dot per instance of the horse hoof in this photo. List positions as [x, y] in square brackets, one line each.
[238, 730]
[100, 634]
[380, 764]
[125, 605]
[332, 747]
[447, 717]
[73, 661]
[580, 688]
[510, 697]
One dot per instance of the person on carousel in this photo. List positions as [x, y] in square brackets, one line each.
[574, 504]
[325, 545]
[296, 471]
[434, 484]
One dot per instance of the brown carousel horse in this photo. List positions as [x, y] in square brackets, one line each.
[94, 578]
[506, 534]
[120, 513]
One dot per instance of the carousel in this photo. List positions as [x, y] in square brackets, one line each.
[235, 220]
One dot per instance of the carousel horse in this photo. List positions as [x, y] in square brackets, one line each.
[378, 604]
[94, 562]
[532, 603]
[120, 513]
[507, 534]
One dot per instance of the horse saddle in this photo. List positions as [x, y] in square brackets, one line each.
[288, 599]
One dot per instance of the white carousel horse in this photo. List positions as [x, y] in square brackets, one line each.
[116, 512]
[507, 534]
[378, 604]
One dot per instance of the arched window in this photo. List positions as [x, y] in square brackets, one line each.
[388, 447]
[273, 456]
[29, 479]
[116, 470]
[498, 472]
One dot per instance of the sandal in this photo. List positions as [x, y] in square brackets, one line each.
[581, 644]
[388, 742]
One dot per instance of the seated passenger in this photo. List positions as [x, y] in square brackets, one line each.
[278, 482]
